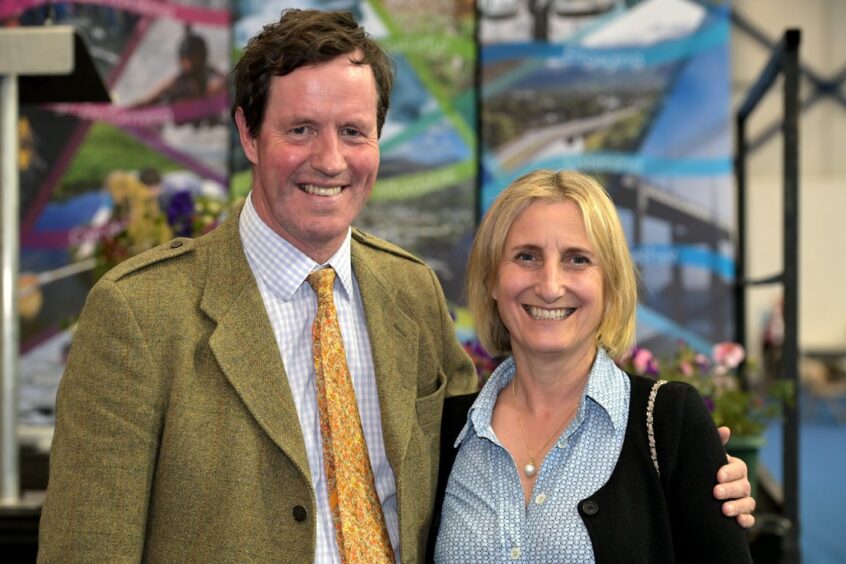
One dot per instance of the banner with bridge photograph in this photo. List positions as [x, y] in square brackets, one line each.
[637, 94]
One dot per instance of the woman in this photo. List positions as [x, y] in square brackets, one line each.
[555, 463]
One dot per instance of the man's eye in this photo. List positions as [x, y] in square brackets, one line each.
[298, 130]
[350, 132]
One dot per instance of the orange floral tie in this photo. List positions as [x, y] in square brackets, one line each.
[356, 510]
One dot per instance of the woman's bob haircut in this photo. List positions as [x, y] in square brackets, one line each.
[617, 328]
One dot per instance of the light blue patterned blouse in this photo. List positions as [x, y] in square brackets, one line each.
[485, 518]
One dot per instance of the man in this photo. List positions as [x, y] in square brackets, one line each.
[187, 419]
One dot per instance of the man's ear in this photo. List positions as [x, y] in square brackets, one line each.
[248, 143]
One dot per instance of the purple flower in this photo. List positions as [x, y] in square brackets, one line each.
[482, 360]
[180, 213]
[645, 362]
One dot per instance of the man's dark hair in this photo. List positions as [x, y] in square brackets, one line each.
[301, 38]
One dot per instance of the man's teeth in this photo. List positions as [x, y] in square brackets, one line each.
[321, 190]
[549, 314]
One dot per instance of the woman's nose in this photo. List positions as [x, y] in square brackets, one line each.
[550, 284]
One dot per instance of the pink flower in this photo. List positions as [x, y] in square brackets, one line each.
[643, 360]
[728, 355]
[686, 368]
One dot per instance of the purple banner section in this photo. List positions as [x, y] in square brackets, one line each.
[146, 117]
[56, 172]
[148, 8]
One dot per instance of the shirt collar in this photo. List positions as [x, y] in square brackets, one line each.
[605, 388]
[282, 266]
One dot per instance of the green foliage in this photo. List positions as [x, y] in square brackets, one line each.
[105, 149]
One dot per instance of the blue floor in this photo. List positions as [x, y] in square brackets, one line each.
[822, 479]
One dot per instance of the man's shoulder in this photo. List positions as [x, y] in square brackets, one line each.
[380, 246]
[148, 260]
[182, 254]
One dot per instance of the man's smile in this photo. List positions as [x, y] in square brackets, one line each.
[320, 190]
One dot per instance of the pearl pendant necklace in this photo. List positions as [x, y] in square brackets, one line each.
[530, 469]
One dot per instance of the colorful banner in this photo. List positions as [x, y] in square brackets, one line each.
[424, 199]
[637, 94]
[100, 182]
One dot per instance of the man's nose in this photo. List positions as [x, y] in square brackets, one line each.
[328, 155]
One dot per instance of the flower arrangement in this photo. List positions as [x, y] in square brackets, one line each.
[745, 410]
[144, 217]
[485, 364]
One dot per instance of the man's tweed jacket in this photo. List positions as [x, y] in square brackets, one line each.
[177, 438]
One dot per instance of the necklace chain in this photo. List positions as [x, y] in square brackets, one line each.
[530, 469]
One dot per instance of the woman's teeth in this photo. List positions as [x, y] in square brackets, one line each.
[549, 314]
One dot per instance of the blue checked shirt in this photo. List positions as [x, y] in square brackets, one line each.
[485, 518]
[280, 271]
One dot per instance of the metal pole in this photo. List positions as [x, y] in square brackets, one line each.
[740, 247]
[790, 350]
[477, 114]
[9, 332]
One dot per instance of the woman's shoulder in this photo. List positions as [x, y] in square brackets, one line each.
[643, 386]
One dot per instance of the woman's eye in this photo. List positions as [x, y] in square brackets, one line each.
[580, 260]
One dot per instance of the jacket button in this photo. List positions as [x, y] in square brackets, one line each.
[175, 244]
[300, 513]
[590, 507]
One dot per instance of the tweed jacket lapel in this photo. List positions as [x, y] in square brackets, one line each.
[393, 342]
[243, 343]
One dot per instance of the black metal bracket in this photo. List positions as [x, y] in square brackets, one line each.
[821, 87]
[784, 61]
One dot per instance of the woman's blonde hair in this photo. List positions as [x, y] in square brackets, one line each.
[617, 328]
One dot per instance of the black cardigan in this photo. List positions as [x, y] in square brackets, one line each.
[638, 516]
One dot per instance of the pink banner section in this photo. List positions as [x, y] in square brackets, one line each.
[45, 240]
[179, 112]
[148, 8]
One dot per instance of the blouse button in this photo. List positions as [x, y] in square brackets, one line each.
[540, 499]
[515, 553]
[590, 507]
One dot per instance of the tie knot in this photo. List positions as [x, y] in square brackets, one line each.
[322, 281]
